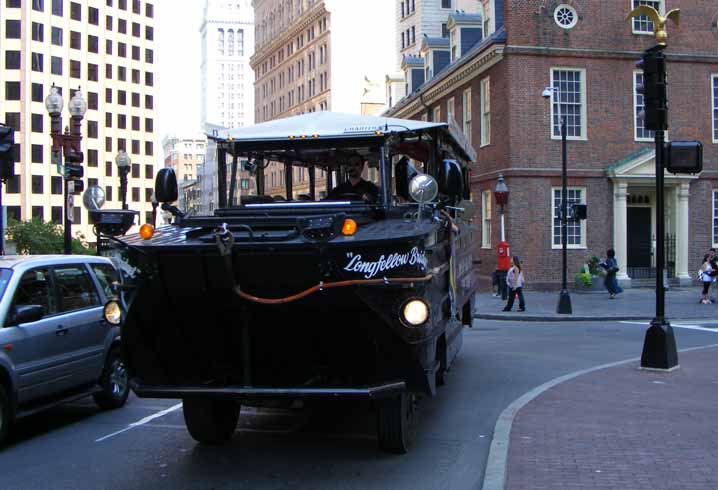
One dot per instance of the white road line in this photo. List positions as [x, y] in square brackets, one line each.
[677, 325]
[143, 421]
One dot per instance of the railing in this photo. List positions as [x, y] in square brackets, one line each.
[669, 262]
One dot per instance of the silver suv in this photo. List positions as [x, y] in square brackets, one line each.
[55, 343]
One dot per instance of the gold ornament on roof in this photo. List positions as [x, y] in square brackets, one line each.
[659, 21]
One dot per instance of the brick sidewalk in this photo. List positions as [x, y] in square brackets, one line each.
[622, 428]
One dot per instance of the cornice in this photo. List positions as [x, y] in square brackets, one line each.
[305, 21]
[604, 53]
[480, 64]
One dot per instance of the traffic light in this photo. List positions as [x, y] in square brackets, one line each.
[579, 212]
[7, 152]
[653, 89]
[73, 175]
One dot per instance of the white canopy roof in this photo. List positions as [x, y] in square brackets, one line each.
[323, 125]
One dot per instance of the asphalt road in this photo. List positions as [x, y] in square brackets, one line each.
[145, 445]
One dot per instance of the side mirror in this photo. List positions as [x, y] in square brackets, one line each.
[166, 190]
[423, 188]
[405, 171]
[27, 314]
[451, 179]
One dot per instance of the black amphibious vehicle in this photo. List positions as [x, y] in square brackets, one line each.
[302, 298]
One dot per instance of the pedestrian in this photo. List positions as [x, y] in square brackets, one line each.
[611, 267]
[714, 275]
[704, 274]
[515, 283]
[495, 288]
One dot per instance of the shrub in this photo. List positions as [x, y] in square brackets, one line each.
[36, 237]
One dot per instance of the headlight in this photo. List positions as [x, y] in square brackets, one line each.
[415, 312]
[112, 312]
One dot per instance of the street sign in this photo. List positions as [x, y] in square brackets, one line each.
[70, 206]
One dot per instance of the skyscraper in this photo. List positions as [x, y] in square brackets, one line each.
[107, 49]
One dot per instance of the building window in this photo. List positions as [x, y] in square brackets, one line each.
[37, 62]
[486, 219]
[575, 238]
[92, 158]
[56, 65]
[57, 7]
[36, 154]
[135, 171]
[12, 29]
[37, 92]
[38, 5]
[13, 185]
[56, 215]
[565, 16]
[56, 36]
[38, 32]
[12, 60]
[93, 16]
[714, 86]
[36, 123]
[467, 114]
[56, 185]
[135, 194]
[77, 215]
[450, 105]
[437, 114]
[445, 4]
[75, 11]
[75, 69]
[641, 133]
[485, 112]
[108, 193]
[569, 100]
[12, 119]
[37, 187]
[12, 90]
[642, 24]
[37, 213]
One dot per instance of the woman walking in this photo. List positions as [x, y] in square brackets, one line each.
[706, 278]
[611, 266]
[515, 282]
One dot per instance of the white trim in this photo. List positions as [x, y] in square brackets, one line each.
[437, 114]
[635, 109]
[486, 220]
[582, 245]
[467, 119]
[714, 194]
[714, 106]
[485, 85]
[631, 6]
[584, 90]
[450, 109]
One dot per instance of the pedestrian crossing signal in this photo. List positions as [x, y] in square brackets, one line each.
[684, 157]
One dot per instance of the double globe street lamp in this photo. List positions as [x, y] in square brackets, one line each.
[67, 145]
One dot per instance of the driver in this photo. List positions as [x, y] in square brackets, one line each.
[356, 184]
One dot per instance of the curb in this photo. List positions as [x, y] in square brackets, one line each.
[560, 318]
[497, 460]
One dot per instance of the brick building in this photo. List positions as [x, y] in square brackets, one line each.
[586, 50]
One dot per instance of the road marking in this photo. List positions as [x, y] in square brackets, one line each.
[143, 421]
[686, 326]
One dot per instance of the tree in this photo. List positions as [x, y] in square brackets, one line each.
[37, 237]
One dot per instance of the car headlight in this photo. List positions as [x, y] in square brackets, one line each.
[415, 312]
[113, 312]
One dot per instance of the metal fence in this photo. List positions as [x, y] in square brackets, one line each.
[669, 261]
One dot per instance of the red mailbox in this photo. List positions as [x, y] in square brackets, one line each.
[504, 253]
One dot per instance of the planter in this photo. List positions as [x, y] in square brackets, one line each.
[595, 287]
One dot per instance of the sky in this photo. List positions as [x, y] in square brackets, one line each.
[178, 65]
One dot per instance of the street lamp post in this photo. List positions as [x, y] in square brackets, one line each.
[564, 299]
[124, 163]
[67, 144]
[503, 251]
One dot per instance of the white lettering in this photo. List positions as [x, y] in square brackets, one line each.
[385, 263]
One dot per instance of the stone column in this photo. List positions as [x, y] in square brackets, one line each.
[682, 219]
[620, 231]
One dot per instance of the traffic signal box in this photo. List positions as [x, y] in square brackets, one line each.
[679, 157]
[655, 103]
[74, 174]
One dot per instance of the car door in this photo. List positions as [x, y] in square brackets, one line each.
[36, 349]
[79, 307]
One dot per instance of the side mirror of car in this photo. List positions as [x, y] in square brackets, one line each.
[451, 179]
[166, 189]
[27, 314]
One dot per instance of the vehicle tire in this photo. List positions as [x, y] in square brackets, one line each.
[7, 416]
[210, 422]
[395, 423]
[114, 382]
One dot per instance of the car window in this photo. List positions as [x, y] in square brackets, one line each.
[35, 289]
[5, 275]
[75, 289]
[106, 275]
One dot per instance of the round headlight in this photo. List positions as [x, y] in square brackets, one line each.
[415, 312]
[113, 312]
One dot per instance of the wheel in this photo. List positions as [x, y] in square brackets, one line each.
[7, 414]
[395, 423]
[210, 422]
[114, 382]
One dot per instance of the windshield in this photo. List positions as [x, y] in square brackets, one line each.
[5, 275]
